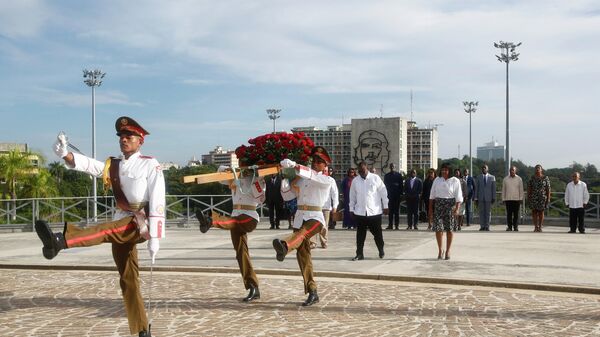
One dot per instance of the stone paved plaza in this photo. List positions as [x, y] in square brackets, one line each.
[88, 303]
[77, 293]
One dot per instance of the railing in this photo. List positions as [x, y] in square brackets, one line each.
[181, 208]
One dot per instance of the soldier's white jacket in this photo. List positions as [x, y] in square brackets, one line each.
[252, 193]
[141, 180]
[311, 190]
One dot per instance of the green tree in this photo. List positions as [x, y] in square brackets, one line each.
[14, 167]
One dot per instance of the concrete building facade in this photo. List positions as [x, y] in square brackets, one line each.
[379, 142]
[336, 140]
[422, 147]
[218, 157]
[490, 151]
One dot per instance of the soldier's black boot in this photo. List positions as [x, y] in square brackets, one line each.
[205, 222]
[280, 248]
[53, 242]
[313, 298]
[253, 294]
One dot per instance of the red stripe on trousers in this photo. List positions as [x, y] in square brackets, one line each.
[232, 221]
[101, 233]
[307, 232]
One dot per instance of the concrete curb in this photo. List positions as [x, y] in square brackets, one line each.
[331, 274]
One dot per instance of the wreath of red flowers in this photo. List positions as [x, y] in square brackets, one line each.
[274, 147]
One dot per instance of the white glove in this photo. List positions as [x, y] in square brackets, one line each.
[222, 168]
[60, 146]
[153, 247]
[287, 163]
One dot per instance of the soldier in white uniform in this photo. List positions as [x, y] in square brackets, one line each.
[247, 193]
[329, 208]
[139, 188]
[312, 189]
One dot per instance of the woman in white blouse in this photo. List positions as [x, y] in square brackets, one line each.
[444, 204]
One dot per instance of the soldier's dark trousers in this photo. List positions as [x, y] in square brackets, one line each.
[239, 227]
[300, 240]
[123, 235]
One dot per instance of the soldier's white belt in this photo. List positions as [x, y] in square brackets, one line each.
[137, 206]
[310, 208]
[244, 207]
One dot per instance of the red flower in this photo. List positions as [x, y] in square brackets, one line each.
[272, 148]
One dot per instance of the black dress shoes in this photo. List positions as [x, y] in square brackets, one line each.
[381, 255]
[205, 222]
[280, 248]
[53, 242]
[253, 294]
[358, 258]
[144, 333]
[313, 298]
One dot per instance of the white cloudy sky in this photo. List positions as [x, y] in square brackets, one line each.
[198, 74]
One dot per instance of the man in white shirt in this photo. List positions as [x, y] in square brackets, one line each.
[138, 185]
[312, 189]
[576, 198]
[368, 197]
[512, 195]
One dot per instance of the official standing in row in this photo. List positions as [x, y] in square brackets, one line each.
[413, 187]
[368, 196]
[139, 188]
[576, 198]
[393, 184]
[512, 195]
[312, 189]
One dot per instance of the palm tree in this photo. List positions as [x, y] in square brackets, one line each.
[57, 169]
[14, 166]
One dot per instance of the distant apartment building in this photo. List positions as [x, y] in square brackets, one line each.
[5, 148]
[490, 151]
[379, 142]
[218, 157]
[336, 140]
[422, 147]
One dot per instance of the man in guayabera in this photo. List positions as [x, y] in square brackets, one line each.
[312, 188]
[138, 185]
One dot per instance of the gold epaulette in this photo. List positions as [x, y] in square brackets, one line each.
[106, 175]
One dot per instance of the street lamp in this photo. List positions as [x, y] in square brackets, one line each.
[507, 54]
[470, 108]
[93, 79]
[273, 114]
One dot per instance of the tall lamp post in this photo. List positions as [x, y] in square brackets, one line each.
[273, 115]
[470, 108]
[507, 54]
[93, 78]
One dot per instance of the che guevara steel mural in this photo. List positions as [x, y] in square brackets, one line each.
[373, 149]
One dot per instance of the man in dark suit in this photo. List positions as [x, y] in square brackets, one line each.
[413, 187]
[274, 200]
[393, 184]
[485, 196]
[470, 194]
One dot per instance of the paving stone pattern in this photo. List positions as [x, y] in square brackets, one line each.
[88, 303]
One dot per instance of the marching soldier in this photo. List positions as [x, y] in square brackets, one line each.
[312, 188]
[139, 189]
[247, 194]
